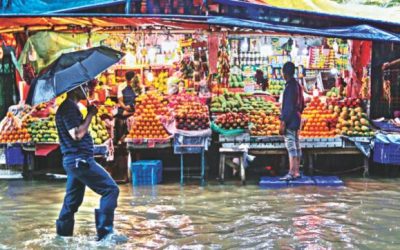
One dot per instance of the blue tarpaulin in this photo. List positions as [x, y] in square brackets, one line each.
[362, 32]
[48, 6]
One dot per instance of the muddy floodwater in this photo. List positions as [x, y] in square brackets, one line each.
[365, 214]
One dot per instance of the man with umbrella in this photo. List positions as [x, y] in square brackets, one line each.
[82, 170]
[69, 74]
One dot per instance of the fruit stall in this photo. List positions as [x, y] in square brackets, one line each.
[191, 80]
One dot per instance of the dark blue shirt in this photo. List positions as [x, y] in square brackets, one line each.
[68, 117]
[292, 105]
[129, 96]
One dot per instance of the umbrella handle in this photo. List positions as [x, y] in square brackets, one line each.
[84, 92]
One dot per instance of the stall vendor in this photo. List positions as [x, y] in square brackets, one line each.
[260, 80]
[126, 96]
[126, 102]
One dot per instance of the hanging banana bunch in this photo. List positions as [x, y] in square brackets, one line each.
[223, 62]
[387, 95]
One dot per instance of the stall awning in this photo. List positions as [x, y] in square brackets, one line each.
[361, 32]
[42, 7]
[376, 10]
[8, 24]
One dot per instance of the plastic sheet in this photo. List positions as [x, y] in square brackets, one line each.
[363, 32]
[40, 7]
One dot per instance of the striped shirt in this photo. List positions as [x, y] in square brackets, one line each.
[68, 117]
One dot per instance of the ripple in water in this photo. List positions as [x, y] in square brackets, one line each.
[363, 215]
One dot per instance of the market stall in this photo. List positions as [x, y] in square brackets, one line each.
[201, 73]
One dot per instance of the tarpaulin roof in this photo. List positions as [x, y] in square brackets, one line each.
[362, 32]
[135, 21]
[254, 10]
[43, 6]
[377, 10]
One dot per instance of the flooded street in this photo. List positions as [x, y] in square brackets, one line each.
[365, 214]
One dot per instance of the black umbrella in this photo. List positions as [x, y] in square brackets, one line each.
[71, 70]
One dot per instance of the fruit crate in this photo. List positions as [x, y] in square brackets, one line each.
[146, 172]
[387, 153]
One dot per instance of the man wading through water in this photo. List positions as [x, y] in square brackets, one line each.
[292, 108]
[82, 170]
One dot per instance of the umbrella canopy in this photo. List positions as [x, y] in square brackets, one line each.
[71, 70]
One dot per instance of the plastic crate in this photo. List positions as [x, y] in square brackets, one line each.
[146, 172]
[386, 153]
[328, 181]
[189, 144]
[15, 155]
[272, 183]
[303, 181]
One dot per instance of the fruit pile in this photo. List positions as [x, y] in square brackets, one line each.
[182, 98]
[232, 121]
[353, 122]
[43, 110]
[346, 102]
[192, 116]
[160, 82]
[44, 130]
[228, 102]
[333, 92]
[264, 124]
[260, 104]
[149, 108]
[13, 131]
[319, 121]
[148, 126]
[241, 102]
[98, 130]
[276, 87]
[236, 81]
[150, 102]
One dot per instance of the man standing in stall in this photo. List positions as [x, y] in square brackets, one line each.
[126, 101]
[292, 108]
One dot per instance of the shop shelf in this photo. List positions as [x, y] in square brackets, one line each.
[147, 172]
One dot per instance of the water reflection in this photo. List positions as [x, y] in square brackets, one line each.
[364, 214]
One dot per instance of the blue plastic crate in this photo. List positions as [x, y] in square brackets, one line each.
[189, 144]
[15, 155]
[327, 181]
[386, 153]
[272, 182]
[303, 181]
[147, 172]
